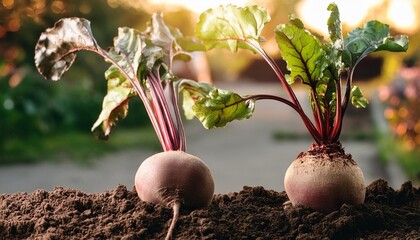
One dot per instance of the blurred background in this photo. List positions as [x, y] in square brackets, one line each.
[45, 126]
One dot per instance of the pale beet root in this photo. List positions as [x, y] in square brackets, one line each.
[323, 183]
[175, 179]
[172, 176]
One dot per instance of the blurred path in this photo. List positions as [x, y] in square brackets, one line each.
[243, 153]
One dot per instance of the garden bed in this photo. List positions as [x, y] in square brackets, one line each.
[253, 213]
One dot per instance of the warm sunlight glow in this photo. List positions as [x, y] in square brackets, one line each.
[402, 15]
[315, 15]
[198, 6]
[8, 4]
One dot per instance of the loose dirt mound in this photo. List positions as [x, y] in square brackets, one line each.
[253, 213]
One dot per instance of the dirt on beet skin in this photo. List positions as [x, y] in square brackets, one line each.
[253, 213]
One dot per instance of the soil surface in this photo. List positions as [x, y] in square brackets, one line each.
[253, 213]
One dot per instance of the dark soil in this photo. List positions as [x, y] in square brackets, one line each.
[253, 213]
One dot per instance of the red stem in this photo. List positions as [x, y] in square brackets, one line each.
[318, 114]
[278, 73]
[294, 103]
[140, 92]
[335, 133]
[170, 137]
[328, 123]
[181, 131]
[306, 121]
[150, 112]
[343, 106]
[164, 120]
[173, 127]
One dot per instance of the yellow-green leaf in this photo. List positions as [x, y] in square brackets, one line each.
[231, 26]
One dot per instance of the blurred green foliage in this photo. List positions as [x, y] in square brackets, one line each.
[32, 108]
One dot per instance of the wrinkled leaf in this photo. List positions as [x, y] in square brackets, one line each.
[214, 107]
[56, 48]
[165, 44]
[56, 51]
[221, 107]
[187, 105]
[326, 95]
[164, 38]
[112, 111]
[302, 52]
[127, 53]
[357, 98]
[334, 48]
[133, 52]
[374, 36]
[334, 25]
[140, 54]
[115, 103]
[335, 64]
[231, 26]
[192, 91]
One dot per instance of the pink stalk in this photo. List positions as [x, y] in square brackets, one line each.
[170, 136]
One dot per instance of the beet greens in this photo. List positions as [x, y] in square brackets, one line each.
[320, 65]
[140, 65]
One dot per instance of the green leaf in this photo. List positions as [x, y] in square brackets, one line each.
[326, 96]
[135, 57]
[221, 107]
[164, 39]
[165, 44]
[357, 98]
[214, 107]
[56, 51]
[138, 53]
[374, 36]
[192, 91]
[335, 64]
[190, 44]
[231, 26]
[334, 25]
[112, 111]
[334, 49]
[56, 48]
[303, 52]
[115, 103]
[127, 53]
[172, 43]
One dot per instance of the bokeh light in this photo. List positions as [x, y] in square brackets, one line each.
[400, 14]
[401, 98]
[198, 6]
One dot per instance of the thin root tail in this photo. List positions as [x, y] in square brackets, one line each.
[175, 207]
